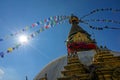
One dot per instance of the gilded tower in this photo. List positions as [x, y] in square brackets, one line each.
[78, 40]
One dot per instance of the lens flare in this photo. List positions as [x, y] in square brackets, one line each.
[23, 39]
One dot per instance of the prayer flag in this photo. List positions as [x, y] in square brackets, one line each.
[38, 23]
[2, 54]
[1, 39]
[26, 28]
[41, 29]
[10, 50]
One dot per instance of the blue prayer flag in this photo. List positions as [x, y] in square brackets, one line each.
[1, 54]
[1, 39]
[38, 23]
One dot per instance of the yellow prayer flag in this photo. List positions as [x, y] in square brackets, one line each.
[10, 49]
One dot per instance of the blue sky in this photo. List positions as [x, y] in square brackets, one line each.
[29, 59]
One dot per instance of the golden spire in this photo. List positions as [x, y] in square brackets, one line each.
[78, 39]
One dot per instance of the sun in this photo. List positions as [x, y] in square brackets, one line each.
[23, 39]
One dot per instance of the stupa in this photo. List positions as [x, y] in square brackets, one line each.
[84, 59]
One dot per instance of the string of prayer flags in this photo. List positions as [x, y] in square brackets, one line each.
[99, 28]
[48, 23]
[105, 27]
[96, 28]
[100, 10]
[103, 20]
[51, 21]
[2, 54]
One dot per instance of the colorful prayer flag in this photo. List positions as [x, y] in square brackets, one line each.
[34, 24]
[2, 54]
[38, 31]
[26, 28]
[10, 50]
[1, 39]
[38, 23]
[41, 29]
[51, 18]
